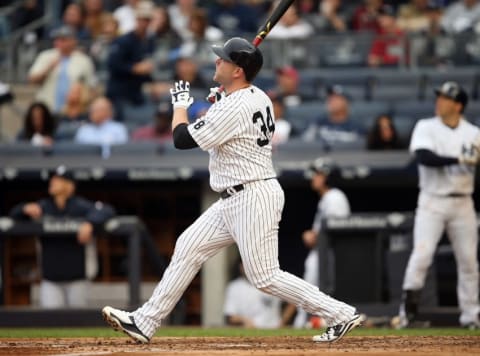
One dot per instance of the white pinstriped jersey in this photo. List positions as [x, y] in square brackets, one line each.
[237, 131]
[432, 134]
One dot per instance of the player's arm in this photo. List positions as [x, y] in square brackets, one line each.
[181, 100]
[431, 159]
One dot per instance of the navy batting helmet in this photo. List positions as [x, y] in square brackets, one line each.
[325, 166]
[244, 54]
[453, 91]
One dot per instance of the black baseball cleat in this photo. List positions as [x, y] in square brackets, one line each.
[123, 321]
[335, 333]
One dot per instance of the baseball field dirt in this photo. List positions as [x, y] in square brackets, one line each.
[243, 346]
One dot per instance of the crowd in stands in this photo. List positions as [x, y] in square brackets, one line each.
[104, 74]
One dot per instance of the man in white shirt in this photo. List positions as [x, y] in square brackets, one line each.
[56, 69]
[102, 129]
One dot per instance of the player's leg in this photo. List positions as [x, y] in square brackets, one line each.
[428, 229]
[463, 235]
[194, 246]
[51, 295]
[255, 215]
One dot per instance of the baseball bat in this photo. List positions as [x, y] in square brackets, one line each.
[265, 29]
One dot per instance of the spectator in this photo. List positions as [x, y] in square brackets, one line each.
[416, 16]
[330, 17]
[100, 46]
[160, 130]
[67, 262]
[291, 26]
[102, 129]
[187, 69]
[338, 126]
[74, 16]
[365, 16]
[55, 69]
[282, 126]
[125, 16]
[388, 48]
[38, 126]
[26, 13]
[94, 16]
[332, 203]
[161, 28]
[287, 86]
[180, 12]
[75, 112]
[234, 17]
[201, 37]
[248, 307]
[130, 63]
[460, 16]
[383, 135]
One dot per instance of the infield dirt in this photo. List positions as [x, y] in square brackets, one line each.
[251, 346]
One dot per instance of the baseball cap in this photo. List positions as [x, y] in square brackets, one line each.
[337, 89]
[63, 172]
[144, 9]
[288, 71]
[453, 91]
[64, 31]
[323, 165]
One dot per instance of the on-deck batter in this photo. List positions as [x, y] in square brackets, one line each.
[236, 131]
[447, 150]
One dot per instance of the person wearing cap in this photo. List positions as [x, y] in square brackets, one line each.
[67, 262]
[130, 63]
[332, 203]
[57, 68]
[446, 148]
[337, 126]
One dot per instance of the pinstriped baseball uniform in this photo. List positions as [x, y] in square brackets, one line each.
[445, 203]
[236, 132]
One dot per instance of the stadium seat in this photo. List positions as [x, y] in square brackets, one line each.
[413, 109]
[21, 149]
[141, 114]
[303, 115]
[136, 148]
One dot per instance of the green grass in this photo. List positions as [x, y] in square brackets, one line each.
[229, 332]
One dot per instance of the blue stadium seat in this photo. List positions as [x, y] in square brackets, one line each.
[413, 109]
[22, 149]
[303, 115]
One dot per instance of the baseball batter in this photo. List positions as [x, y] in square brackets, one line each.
[236, 132]
[446, 148]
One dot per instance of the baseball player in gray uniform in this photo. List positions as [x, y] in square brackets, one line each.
[236, 132]
[446, 148]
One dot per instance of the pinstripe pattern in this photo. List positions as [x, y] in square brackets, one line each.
[228, 133]
[249, 218]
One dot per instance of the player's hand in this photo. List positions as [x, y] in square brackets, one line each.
[215, 95]
[309, 238]
[33, 210]
[470, 157]
[181, 95]
[85, 233]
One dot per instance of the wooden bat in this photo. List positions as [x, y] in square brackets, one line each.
[265, 29]
[277, 13]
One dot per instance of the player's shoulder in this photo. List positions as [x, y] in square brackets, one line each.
[429, 122]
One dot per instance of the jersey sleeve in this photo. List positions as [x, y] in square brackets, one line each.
[421, 138]
[217, 126]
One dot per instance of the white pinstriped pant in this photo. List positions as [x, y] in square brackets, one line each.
[457, 216]
[249, 218]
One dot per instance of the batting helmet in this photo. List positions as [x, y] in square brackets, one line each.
[244, 54]
[325, 166]
[453, 91]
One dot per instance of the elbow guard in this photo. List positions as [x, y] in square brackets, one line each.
[182, 138]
